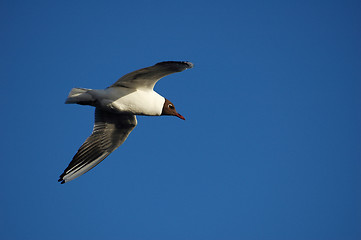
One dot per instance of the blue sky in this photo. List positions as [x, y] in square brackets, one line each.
[270, 148]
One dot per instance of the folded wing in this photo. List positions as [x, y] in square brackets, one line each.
[109, 132]
[146, 78]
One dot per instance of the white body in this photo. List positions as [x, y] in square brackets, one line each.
[120, 100]
[135, 101]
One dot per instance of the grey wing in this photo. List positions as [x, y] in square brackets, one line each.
[146, 78]
[109, 132]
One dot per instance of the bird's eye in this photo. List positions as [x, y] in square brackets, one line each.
[170, 106]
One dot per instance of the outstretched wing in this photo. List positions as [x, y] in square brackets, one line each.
[109, 132]
[146, 78]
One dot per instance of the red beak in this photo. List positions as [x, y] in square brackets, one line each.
[180, 116]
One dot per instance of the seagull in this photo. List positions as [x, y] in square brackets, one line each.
[116, 108]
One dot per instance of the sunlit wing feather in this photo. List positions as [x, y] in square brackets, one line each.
[109, 132]
[146, 78]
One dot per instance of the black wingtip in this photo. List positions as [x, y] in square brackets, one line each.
[186, 64]
[190, 65]
[61, 179]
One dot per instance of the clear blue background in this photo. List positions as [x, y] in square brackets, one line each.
[270, 148]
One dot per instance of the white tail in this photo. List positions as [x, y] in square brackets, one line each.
[80, 96]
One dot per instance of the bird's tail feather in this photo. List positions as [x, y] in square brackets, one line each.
[80, 96]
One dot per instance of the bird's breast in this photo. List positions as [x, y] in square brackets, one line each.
[127, 100]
